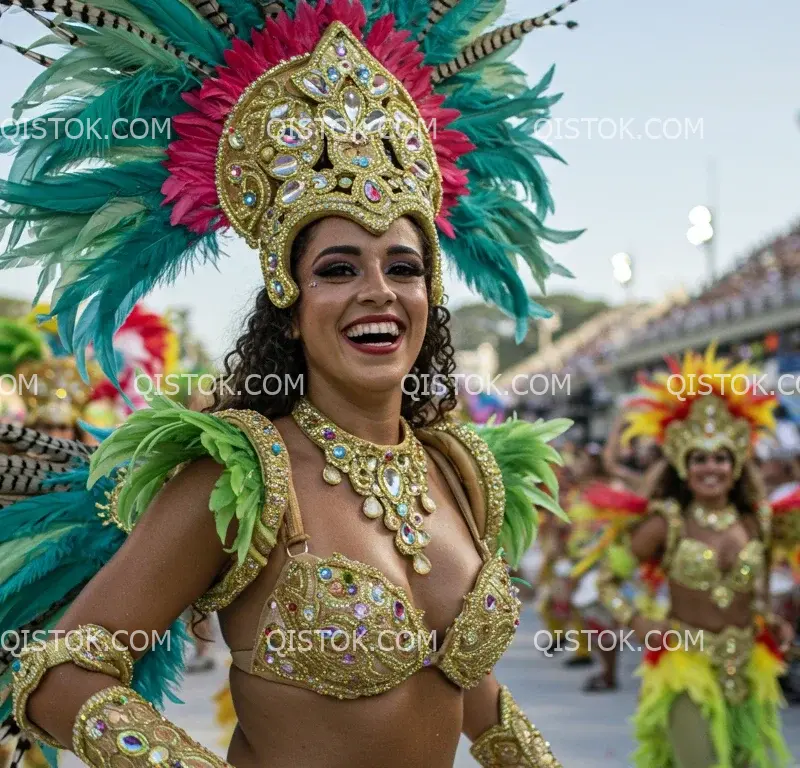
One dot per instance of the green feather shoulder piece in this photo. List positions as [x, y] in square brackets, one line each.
[155, 443]
[506, 473]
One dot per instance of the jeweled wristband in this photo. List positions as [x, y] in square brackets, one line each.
[89, 647]
[117, 724]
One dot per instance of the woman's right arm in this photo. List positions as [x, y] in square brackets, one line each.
[170, 559]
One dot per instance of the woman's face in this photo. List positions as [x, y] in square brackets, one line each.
[710, 474]
[363, 307]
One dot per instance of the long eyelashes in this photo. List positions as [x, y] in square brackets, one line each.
[345, 269]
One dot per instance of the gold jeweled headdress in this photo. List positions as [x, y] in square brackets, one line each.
[331, 133]
[704, 404]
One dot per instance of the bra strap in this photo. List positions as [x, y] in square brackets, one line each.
[294, 533]
[457, 488]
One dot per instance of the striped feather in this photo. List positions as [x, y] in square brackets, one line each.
[98, 17]
[65, 34]
[211, 11]
[494, 41]
[42, 60]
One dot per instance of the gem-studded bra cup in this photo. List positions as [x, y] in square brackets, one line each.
[691, 564]
[477, 610]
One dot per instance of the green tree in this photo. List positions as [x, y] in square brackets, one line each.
[474, 324]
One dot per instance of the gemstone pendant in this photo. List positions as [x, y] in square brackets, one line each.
[331, 475]
[391, 477]
[372, 508]
[421, 564]
[392, 521]
[428, 504]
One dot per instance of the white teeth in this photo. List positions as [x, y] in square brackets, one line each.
[364, 328]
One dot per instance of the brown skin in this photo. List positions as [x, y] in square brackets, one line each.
[175, 544]
[710, 478]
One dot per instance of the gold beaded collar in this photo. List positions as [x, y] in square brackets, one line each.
[392, 478]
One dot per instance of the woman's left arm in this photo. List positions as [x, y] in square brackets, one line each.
[500, 732]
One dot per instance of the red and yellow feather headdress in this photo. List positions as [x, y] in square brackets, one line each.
[704, 403]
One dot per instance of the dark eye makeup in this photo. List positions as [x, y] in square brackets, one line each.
[341, 268]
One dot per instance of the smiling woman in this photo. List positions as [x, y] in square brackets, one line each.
[710, 693]
[337, 141]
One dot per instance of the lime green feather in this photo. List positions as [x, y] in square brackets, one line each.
[524, 457]
[19, 343]
[158, 439]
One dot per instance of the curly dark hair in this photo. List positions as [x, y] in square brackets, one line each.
[267, 351]
[746, 495]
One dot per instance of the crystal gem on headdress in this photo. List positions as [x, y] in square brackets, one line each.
[333, 74]
[372, 191]
[249, 199]
[407, 532]
[391, 477]
[328, 433]
[325, 573]
[277, 287]
[235, 139]
[414, 142]
[341, 51]
[280, 111]
[380, 85]
[319, 181]
[421, 170]
[272, 262]
[428, 504]
[235, 172]
[339, 451]
[284, 165]
[292, 192]
[346, 182]
[331, 475]
[335, 120]
[375, 121]
[401, 509]
[362, 73]
[316, 84]
[291, 137]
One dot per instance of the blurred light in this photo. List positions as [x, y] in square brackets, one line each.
[700, 233]
[699, 215]
[622, 265]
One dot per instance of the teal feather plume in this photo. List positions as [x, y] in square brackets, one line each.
[459, 26]
[245, 15]
[522, 452]
[182, 26]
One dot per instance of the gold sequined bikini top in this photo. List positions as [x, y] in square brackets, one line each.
[693, 564]
[339, 627]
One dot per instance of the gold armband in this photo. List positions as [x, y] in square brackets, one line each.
[90, 647]
[612, 598]
[117, 727]
[514, 742]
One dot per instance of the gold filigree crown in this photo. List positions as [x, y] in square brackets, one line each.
[708, 427]
[331, 133]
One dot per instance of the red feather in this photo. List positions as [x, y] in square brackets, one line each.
[606, 497]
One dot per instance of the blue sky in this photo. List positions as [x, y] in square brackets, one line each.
[713, 81]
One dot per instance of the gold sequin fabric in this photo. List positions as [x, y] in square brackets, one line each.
[332, 133]
[274, 463]
[515, 742]
[695, 565]
[729, 652]
[341, 628]
[117, 728]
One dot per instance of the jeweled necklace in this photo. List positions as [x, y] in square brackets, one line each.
[393, 479]
[717, 520]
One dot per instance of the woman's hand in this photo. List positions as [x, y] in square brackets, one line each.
[646, 629]
[783, 632]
